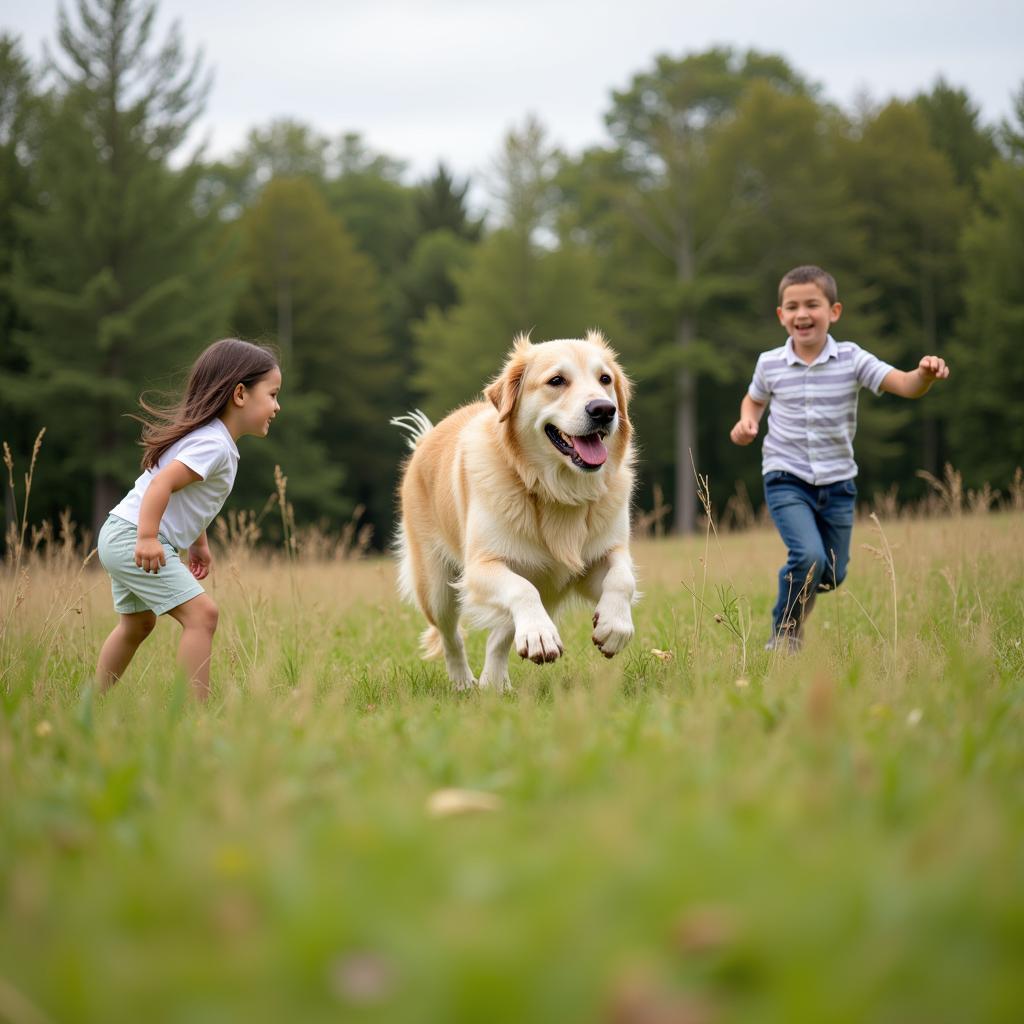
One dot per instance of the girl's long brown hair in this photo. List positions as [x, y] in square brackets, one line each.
[211, 382]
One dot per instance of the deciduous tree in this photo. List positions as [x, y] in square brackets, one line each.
[310, 289]
[987, 426]
[912, 212]
[663, 125]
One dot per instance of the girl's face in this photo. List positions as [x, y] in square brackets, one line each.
[260, 405]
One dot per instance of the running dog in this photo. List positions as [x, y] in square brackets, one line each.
[512, 505]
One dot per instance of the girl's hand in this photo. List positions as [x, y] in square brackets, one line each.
[744, 431]
[149, 554]
[200, 561]
[933, 368]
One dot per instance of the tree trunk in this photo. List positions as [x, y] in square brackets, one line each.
[284, 295]
[686, 435]
[686, 445]
[284, 318]
[929, 315]
[685, 520]
[106, 493]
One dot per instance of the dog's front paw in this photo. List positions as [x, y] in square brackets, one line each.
[613, 628]
[539, 641]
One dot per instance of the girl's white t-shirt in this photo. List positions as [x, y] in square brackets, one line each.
[211, 452]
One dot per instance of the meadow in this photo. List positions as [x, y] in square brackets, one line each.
[698, 831]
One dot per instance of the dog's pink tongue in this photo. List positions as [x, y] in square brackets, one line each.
[590, 449]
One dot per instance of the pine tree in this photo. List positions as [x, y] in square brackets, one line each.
[955, 129]
[19, 141]
[441, 204]
[121, 289]
[445, 236]
[516, 281]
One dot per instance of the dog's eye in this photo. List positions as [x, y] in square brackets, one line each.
[557, 381]
[605, 379]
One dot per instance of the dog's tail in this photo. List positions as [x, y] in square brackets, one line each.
[431, 643]
[416, 425]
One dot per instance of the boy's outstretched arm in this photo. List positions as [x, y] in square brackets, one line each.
[914, 383]
[746, 426]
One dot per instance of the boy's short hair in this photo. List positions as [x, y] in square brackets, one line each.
[811, 275]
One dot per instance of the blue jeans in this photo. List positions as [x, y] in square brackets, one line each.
[815, 524]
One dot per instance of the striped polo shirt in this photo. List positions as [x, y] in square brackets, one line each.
[813, 413]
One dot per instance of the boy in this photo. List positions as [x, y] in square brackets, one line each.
[807, 456]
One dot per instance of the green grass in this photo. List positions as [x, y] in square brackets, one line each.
[835, 836]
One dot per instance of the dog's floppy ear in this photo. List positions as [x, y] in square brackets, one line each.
[623, 393]
[503, 392]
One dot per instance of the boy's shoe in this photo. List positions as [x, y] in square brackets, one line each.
[791, 639]
[786, 643]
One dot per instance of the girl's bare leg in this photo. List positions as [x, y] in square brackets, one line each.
[198, 619]
[119, 648]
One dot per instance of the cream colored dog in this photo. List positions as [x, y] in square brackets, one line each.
[513, 505]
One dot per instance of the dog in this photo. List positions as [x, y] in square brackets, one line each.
[513, 505]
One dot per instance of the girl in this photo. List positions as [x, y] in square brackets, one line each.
[189, 468]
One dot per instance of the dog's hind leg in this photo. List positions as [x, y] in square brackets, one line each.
[499, 643]
[439, 601]
[445, 616]
[425, 578]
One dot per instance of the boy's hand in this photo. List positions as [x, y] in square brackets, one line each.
[933, 368]
[744, 431]
[149, 554]
[200, 561]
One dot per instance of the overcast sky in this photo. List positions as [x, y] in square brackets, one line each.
[445, 79]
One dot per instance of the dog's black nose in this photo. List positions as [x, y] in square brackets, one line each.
[601, 411]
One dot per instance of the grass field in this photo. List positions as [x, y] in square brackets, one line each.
[708, 833]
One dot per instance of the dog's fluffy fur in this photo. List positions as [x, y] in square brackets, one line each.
[512, 505]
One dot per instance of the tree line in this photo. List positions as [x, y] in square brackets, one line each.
[123, 252]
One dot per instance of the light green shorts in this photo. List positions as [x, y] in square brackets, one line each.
[137, 591]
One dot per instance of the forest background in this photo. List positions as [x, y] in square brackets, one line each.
[124, 251]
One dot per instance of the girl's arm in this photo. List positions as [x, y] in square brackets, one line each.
[200, 561]
[915, 383]
[149, 552]
[746, 426]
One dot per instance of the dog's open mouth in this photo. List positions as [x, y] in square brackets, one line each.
[587, 451]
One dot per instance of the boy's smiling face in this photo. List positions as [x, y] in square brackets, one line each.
[807, 315]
